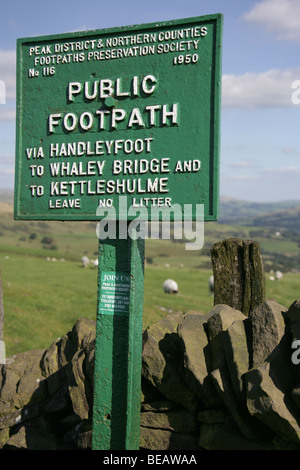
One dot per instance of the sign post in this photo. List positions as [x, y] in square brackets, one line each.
[119, 126]
[117, 396]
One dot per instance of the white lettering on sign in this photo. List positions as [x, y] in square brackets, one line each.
[130, 40]
[34, 152]
[133, 167]
[167, 41]
[84, 164]
[100, 147]
[90, 168]
[100, 120]
[182, 33]
[100, 187]
[64, 203]
[106, 87]
[110, 119]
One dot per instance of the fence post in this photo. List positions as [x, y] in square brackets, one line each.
[238, 270]
[118, 353]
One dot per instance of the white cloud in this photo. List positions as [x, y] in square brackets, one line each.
[243, 164]
[6, 159]
[245, 176]
[7, 114]
[255, 90]
[279, 17]
[8, 72]
[81, 28]
[283, 169]
[266, 185]
[290, 151]
[8, 171]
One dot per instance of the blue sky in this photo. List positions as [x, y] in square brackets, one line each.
[260, 145]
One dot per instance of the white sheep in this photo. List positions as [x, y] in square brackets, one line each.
[278, 275]
[170, 286]
[84, 261]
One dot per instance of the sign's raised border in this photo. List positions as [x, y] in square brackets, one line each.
[213, 196]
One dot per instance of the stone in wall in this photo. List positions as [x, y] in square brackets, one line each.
[197, 362]
[162, 361]
[43, 403]
[268, 328]
[236, 343]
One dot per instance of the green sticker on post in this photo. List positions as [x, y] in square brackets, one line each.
[114, 296]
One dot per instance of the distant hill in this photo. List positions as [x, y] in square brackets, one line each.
[276, 226]
[238, 212]
[288, 219]
[281, 214]
[7, 196]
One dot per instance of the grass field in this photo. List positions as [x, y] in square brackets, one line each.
[44, 298]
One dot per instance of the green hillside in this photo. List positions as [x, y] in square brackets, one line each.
[288, 219]
[234, 211]
[46, 289]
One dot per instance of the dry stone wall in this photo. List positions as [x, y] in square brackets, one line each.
[217, 381]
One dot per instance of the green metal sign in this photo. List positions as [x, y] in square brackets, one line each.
[130, 111]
